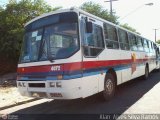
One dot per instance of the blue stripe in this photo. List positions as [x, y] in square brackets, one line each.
[75, 74]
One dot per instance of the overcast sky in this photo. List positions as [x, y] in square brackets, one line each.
[134, 12]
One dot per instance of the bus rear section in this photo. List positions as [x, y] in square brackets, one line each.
[50, 64]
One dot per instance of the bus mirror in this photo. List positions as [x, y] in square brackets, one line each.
[89, 27]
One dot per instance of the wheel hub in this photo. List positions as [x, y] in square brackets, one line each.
[109, 86]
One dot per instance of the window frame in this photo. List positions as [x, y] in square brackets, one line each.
[145, 40]
[103, 46]
[107, 39]
[126, 39]
[131, 41]
[139, 39]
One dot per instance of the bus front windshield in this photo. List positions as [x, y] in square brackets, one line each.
[55, 41]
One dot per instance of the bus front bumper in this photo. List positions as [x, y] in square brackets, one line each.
[59, 89]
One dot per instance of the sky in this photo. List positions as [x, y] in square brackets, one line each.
[142, 17]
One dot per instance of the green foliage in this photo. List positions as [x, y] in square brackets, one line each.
[126, 26]
[158, 41]
[1, 9]
[98, 10]
[12, 20]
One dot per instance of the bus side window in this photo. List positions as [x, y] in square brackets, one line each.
[133, 42]
[150, 48]
[153, 47]
[111, 39]
[94, 42]
[148, 45]
[145, 45]
[139, 44]
[123, 39]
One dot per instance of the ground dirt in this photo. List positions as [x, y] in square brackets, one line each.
[9, 94]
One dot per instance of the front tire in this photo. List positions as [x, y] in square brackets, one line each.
[109, 87]
[158, 70]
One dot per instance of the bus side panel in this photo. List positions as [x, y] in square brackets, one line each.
[126, 66]
[90, 84]
[91, 76]
[107, 55]
[152, 61]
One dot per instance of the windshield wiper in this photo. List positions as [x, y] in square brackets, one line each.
[50, 58]
[42, 51]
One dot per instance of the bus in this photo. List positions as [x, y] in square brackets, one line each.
[157, 47]
[70, 54]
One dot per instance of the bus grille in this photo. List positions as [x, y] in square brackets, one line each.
[36, 84]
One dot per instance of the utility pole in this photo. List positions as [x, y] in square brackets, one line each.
[155, 31]
[111, 10]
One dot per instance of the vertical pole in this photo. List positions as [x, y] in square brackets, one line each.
[111, 10]
[155, 35]
[111, 7]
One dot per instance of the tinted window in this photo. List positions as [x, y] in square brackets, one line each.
[150, 48]
[52, 19]
[145, 45]
[31, 47]
[139, 44]
[51, 37]
[123, 39]
[153, 47]
[62, 40]
[94, 43]
[111, 36]
[133, 42]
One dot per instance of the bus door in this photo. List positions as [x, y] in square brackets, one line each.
[92, 46]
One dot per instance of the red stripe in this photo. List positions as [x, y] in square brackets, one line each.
[72, 66]
[77, 65]
[94, 64]
[47, 68]
[33, 69]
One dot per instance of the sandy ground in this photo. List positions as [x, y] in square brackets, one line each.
[11, 96]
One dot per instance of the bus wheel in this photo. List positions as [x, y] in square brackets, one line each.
[159, 68]
[109, 87]
[146, 75]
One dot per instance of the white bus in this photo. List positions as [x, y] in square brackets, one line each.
[69, 54]
[157, 46]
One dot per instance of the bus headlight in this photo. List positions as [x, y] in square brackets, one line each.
[52, 84]
[58, 84]
[19, 84]
[23, 84]
[59, 77]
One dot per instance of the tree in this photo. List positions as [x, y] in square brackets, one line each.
[1, 9]
[12, 20]
[98, 10]
[158, 41]
[12, 1]
[126, 26]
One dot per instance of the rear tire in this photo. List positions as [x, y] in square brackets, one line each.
[146, 75]
[109, 87]
[158, 70]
